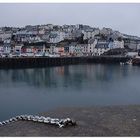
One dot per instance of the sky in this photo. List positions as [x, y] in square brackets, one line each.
[122, 17]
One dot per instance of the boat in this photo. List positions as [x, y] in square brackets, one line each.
[127, 63]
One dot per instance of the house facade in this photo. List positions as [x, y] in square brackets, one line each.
[59, 50]
[72, 47]
[116, 44]
[90, 33]
[7, 46]
[101, 47]
[91, 46]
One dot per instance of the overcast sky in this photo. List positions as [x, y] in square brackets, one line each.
[122, 17]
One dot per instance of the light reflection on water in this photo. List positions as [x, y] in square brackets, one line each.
[37, 90]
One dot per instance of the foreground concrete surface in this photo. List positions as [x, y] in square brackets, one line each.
[93, 121]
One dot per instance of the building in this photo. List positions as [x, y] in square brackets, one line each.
[138, 47]
[66, 49]
[116, 44]
[79, 49]
[101, 47]
[1, 48]
[91, 46]
[18, 48]
[33, 47]
[5, 35]
[83, 49]
[57, 36]
[90, 33]
[52, 49]
[7, 48]
[72, 47]
[26, 36]
[131, 42]
[53, 38]
[59, 50]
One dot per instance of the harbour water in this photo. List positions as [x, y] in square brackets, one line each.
[32, 91]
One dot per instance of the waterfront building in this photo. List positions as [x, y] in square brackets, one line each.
[33, 47]
[66, 49]
[18, 48]
[85, 36]
[7, 46]
[79, 49]
[91, 46]
[82, 49]
[1, 47]
[72, 47]
[59, 50]
[101, 47]
[52, 49]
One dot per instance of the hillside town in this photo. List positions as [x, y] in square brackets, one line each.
[68, 40]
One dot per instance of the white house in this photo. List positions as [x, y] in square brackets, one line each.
[91, 46]
[7, 46]
[52, 49]
[116, 44]
[57, 36]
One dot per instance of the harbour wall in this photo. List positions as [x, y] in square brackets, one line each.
[38, 62]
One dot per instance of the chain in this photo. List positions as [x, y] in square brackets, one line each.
[41, 119]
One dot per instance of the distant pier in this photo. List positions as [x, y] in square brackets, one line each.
[39, 62]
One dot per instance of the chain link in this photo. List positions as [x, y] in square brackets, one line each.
[41, 119]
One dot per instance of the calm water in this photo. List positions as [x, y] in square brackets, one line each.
[32, 91]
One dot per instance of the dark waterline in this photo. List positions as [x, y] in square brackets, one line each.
[30, 91]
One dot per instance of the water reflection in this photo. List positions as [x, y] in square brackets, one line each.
[37, 90]
[64, 76]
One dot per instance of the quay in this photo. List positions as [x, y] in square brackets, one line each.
[39, 62]
[96, 121]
